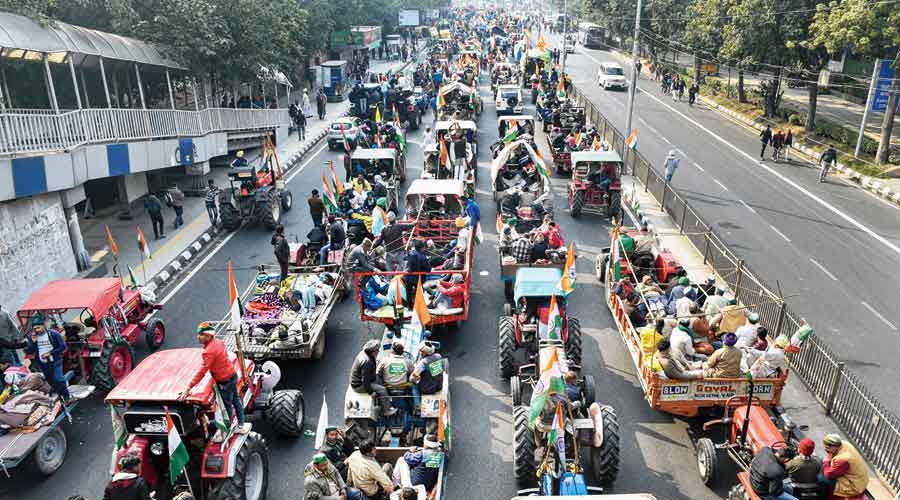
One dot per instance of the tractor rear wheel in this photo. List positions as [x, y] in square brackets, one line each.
[707, 461]
[155, 333]
[577, 203]
[269, 211]
[251, 473]
[615, 204]
[506, 345]
[605, 459]
[737, 492]
[115, 362]
[285, 411]
[573, 344]
[287, 200]
[523, 451]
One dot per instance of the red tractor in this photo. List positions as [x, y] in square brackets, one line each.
[640, 257]
[596, 184]
[222, 464]
[100, 320]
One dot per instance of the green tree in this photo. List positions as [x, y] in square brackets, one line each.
[703, 29]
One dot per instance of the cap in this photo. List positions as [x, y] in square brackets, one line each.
[370, 345]
[37, 319]
[206, 329]
[331, 428]
[832, 440]
[753, 317]
[426, 348]
[391, 217]
[319, 458]
[240, 154]
[684, 281]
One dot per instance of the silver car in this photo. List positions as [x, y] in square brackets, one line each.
[350, 127]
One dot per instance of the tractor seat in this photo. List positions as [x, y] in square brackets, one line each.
[76, 330]
[582, 171]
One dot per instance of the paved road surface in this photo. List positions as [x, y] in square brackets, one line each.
[657, 454]
[833, 247]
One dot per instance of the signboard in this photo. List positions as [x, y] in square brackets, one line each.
[409, 17]
[357, 38]
[882, 86]
[714, 390]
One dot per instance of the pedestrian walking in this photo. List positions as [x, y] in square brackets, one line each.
[301, 125]
[788, 143]
[282, 250]
[177, 205]
[764, 137]
[212, 195]
[154, 208]
[671, 166]
[693, 92]
[307, 109]
[316, 207]
[637, 68]
[777, 144]
[293, 111]
[321, 101]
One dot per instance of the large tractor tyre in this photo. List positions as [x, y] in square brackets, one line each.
[515, 390]
[115, 362]
[737, 492]
[269, 210]
[615, 204]
[285, 412]
[605, 459]
[230, 217]
[577, 204]
[589, 391]
[251, 473]
[155, 333]
[523, 450]
[573, 344]
[287, 200]
[50, 452]
[506, 346]
[707, 461]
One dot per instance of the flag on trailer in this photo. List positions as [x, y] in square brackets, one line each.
[443, 424]
[444, 153]
[142, 244]
[322, 425]
[557, 434]
[567, 281]
[120, 434]
[550, 382]
[595, 146]
[328, 195]
[178, 455]
[561, 90]
[234, 298]
[335, 179]
[441, 102]
[631, 142]
[421, 317]
[112, 243]
[614, 256]
[222, 416]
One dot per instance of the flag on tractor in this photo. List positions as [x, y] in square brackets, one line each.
[513, 131]
[120, 433]
[443, 430]
[614, 256]
[421, 317]
[377, 114]
[557, 435]
[322, 425]
[541, 43]
[401, 139]
[550, 382]
[112, 243]
[222, 416]
[542, 165]
[445, 155]
[631, 142]
[561, 90]
[552, 329]
[567, 281]
[178, 455]
[396, 118]
[344, 138]
[234, 298]
[335, 179]
[328, 195]
[596, 145]
[142, 244]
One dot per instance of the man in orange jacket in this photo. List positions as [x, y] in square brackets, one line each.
[216, 362]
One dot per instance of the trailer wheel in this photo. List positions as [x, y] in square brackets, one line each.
[506, 345]
[523, 451]
[605, 459]
[707, 461]
[285, 412]
[573, 345]
[515, 390]
[115, 362]
[251, 473]
[50, 453]
[155, 333]
[737, 492]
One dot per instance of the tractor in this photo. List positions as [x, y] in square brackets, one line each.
[223, 464]
[596, 183]
[255, 195]
[100, 320]
[524, 325]
[556, 466]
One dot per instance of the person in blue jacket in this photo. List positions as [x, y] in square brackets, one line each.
[48, 347]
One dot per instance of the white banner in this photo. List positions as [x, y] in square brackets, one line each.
[409, 17]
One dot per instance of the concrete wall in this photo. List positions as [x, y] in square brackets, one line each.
[34, 247]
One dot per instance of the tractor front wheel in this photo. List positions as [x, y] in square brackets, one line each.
[605, 459]
[506, 345]
[589, 390]
[251, 473]
[577, 203]
[515, 390]
[285, 412]
[707, 460]
[523, 451]
[115, 362]
[230, 217]
[287, 200]
[155, 333]
[573, 344]
[615, 204]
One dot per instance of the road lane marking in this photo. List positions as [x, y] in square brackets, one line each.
[748, 207]
[879, 316]
[823, 269]
[698, 166]
[296, 172]
[780, 233]
[721, 185]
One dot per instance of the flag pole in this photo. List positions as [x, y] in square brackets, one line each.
[187, 479]
[143, 267]
[240, 351]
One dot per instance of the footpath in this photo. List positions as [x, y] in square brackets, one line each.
[169, 255]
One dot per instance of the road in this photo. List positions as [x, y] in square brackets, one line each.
[657, 452]
[833, 247]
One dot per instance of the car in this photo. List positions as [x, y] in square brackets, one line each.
[349, 125]
[611, 75]
[509, 99]
[570, 44]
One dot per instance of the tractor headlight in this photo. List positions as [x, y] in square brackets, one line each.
[157, 449]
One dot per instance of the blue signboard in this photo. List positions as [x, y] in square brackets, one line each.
[882, 87]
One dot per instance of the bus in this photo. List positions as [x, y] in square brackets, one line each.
[591, 35]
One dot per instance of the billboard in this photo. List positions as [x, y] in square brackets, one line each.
[409, 17]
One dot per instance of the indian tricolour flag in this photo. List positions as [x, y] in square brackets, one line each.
[567, 281]
[551, 382]
[561, 90]
[443, 431]
[118, 425]
[234, 298]
[178, 455]
[334, 177]
[222, 417]
[142, 244]
[513, 131]
[553, 327]
[542, 165]
[557, 435]
[614, 256]
[420, 317]
[328, 195]
[631, 142]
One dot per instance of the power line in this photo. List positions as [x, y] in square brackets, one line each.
[782, 12]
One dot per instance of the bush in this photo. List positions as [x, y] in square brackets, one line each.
[794, 119]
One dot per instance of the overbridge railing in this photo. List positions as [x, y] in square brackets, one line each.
[874, 428]
[36, 131]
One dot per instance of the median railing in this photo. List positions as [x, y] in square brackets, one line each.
[34, 131]
[874, 428]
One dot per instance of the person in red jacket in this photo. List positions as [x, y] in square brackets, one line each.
[451, 293]
[216, 362]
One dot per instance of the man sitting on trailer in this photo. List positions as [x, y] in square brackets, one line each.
[674, 366]
[364, 472]
[725, 362]
[335, 450]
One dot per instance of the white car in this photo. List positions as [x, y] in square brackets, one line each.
[611, 75]
[509, 99]
[350, 127]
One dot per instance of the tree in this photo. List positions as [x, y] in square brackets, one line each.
[870, 29]
[703, 30]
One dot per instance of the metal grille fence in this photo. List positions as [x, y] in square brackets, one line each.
[874, 429]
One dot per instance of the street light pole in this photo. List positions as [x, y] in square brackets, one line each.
[634, 74]
[565, 30]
